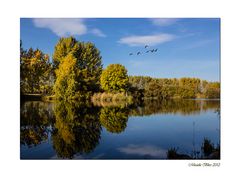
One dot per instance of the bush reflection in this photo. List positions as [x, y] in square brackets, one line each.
[114, 119]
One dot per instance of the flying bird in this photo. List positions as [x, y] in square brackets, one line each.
[130, 53]
[147, 51]
[155, 50]
[146, 46]
[152, 50]
[138, 53]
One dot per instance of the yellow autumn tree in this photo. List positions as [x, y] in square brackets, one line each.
[66, 85]
[114, 78]
[35, 70]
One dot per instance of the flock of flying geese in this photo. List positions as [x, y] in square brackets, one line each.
[146, 46]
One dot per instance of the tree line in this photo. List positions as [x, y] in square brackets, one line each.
[144, 86]
[76, 73]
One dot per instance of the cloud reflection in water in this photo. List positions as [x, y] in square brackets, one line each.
[144, 150]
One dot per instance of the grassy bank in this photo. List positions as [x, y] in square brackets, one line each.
[37, 97]
[111, 99]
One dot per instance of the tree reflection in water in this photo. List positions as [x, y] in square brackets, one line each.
[36, 117]
[77, 129]
[173, 106]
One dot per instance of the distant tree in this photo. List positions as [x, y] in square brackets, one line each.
[189, 87]
[139, 82]
[153, 89]
[173, 88]
[137, 86]
[212, 90]
[114, 78]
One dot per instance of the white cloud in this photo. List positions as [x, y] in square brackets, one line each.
[163, 21]
[62, 26]
[145, 150]
[98, 32]
[147, 39]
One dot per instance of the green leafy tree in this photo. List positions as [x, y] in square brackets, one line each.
[114, 78]
[83, 65]
[89, 62]
[35, 70]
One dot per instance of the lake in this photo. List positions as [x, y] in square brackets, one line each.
[149, 130]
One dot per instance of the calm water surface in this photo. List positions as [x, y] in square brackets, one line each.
[145, 131]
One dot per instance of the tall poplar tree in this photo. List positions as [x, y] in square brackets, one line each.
[78, 67]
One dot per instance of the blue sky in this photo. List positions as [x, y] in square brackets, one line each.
[187, 47]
